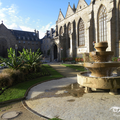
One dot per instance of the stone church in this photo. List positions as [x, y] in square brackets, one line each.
[76, 31]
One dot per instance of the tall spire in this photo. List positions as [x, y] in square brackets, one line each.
[74, 7]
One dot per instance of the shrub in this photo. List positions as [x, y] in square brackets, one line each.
[32, 61]
[16, 75]
[12, 61]
[5, 80]
[114, 59]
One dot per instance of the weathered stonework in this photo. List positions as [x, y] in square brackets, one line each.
[89, 14]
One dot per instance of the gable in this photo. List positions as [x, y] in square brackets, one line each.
[5, 33]
[60, 17]
[69, 11]
[81, 4]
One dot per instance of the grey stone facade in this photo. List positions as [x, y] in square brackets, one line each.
[96, 27]
[23, 39]
[47, 43]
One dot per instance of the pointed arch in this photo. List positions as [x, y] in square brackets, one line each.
[119, 18]
[61, 31]
[102, 24]
[81, 33]
[69, 32]
[69, 28]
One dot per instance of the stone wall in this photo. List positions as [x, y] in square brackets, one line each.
[89, 15]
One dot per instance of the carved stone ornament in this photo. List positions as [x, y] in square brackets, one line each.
[111, 1]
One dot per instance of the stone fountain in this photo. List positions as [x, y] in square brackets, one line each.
[101, 71]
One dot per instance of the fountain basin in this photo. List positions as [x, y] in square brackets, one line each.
[101, 69]
[102, 56]
[112, 83]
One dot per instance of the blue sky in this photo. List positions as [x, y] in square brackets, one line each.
[33, 14]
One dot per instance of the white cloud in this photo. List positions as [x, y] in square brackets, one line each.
[25, 28]
[14, 26]
[12, 20]
[42, 31]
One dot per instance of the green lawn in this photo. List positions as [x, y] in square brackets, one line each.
[19, 90]
[76, 67]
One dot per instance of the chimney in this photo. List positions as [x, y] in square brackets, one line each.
[51, 32]
[37, 33]
[35, 30]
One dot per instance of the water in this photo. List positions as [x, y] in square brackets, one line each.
[89, 75]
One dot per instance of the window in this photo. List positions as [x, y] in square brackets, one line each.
[69, 29]
[19, 41]
[81, 33]
[102, 24]
[24, 42]
[69, 32]
[61, 31]
[23, 38]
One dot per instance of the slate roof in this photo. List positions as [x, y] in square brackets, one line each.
[24, 35]
[48, 34]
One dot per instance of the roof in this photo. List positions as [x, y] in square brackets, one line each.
[25, 35]
[49, 34]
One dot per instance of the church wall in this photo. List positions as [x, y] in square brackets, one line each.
[89, 15]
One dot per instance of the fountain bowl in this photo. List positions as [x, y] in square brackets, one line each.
[102, 46]
[101, 69]
[112, 83]
[102, 56]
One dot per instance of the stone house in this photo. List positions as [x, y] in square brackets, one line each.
[76, 31]
[23, 39]
[46, 45]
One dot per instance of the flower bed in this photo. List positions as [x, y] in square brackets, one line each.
[73, 60]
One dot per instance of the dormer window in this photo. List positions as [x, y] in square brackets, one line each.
[80, 7]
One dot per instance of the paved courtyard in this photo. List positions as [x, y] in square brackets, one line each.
[51, 99]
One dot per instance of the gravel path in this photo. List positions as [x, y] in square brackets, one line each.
[98, 105]
[50, 100]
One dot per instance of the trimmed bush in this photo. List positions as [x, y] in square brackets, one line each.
[16, 75]
[5, 80]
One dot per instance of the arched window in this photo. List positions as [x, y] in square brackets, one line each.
[81, 37]
[102, 24]
[61, 31]
[119, 21]
[69, 28]
[69, 32]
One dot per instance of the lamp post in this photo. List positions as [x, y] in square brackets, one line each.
[16, 47]
[62, 54]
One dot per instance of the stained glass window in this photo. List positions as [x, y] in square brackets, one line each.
[69, 32]
[102, 22]
[81, 37]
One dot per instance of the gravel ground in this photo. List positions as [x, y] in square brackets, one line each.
[52, 102]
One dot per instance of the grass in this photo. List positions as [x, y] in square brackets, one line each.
[55, 119]
[76, 67]
[19, 90]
